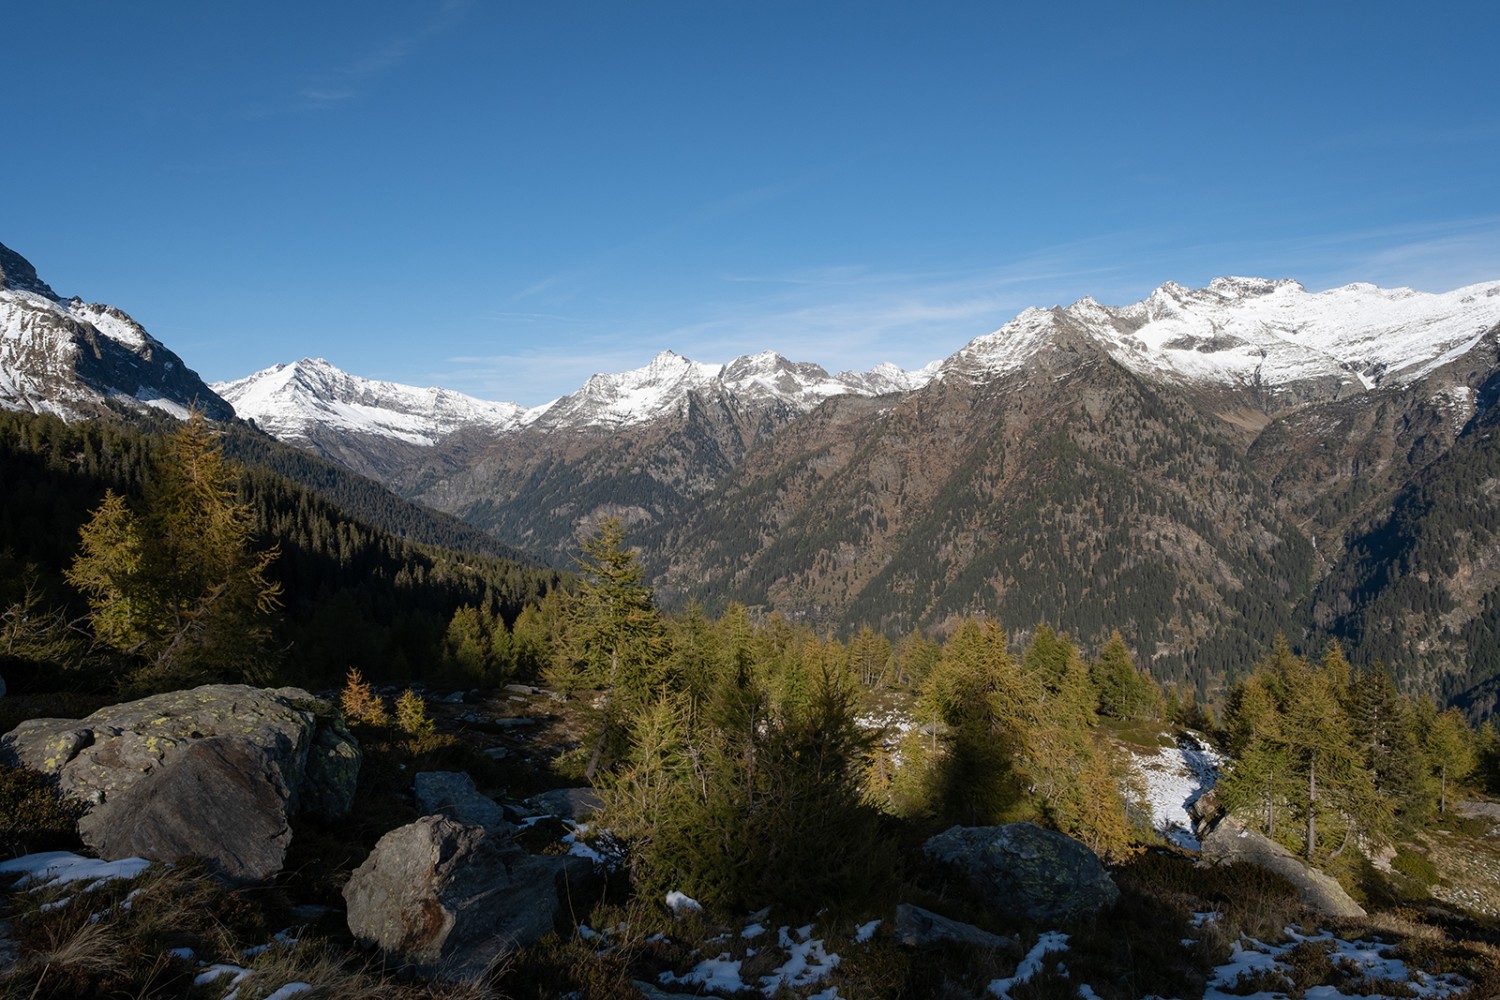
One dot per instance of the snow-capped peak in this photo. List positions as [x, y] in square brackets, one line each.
[288, 400]
[663, 387]
[1259, 332]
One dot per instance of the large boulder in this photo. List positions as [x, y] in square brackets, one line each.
[1230, 842]
[452, 899]
[248, 757]
[222, 799]
[1040, 874]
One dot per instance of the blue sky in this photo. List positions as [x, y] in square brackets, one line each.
[503, 198]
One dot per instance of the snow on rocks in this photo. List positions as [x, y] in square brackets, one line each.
[681, 904]
[1173, 779]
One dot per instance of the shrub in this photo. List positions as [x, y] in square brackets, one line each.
[411, 715]
[1415, 866]
[360, 702]
[34, 815]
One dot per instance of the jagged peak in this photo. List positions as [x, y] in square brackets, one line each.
[1235, 286]
[18, 275]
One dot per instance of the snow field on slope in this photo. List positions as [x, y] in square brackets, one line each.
[1173, 778]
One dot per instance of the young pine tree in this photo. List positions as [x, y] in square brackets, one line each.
[181, 583]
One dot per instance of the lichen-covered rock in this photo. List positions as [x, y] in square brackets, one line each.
[332, 773]
[452, 899]
[1021, 868]
[452, 794]
[125, 750]
[1229, 842]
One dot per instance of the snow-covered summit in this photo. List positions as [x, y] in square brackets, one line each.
[1256, 332]
[663, 387]
[289, 400]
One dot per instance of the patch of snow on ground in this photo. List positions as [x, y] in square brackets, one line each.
[865, 932]
[52, 868]
[807, 962]
[1031, 964]
[1248, 956]
[1175, 778]
[722, 973]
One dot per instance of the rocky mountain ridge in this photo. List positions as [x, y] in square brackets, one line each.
[76, 359]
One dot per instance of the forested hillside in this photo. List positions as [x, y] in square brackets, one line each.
[352, 592]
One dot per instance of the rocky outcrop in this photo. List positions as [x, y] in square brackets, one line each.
[452, 899]
[1021, 868]
[452, 794]
[919, 928]
[213, 771]
[1229, 842]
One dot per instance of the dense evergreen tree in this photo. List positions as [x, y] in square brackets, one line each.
[1124, 690]
[1450, 751]
[1296, 750]
[615, 638]
[1384, 730]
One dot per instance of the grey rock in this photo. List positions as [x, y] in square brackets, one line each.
[456, 698]
[1468, 808]
[1022, 868]
[222, 799]
[919, 928]
[452, 900]
[515, 721]
[576, 804]
[452, 794]
[519, 689]
[127, 751]
[1229, 842]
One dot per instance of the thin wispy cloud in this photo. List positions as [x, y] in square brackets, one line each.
[565, 282]
[347, 81]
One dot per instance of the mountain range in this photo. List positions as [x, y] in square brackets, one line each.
[1201, 469]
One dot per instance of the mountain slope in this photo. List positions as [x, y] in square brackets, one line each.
[75, 359]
